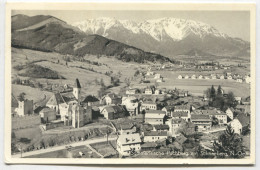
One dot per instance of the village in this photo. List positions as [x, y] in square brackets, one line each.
[151, 119]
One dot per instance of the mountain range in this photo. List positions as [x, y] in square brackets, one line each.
[167, 36]
[50, 34]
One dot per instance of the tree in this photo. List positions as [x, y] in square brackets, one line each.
[21, 96]
[127, 82]
[219, 91]
[212, 93]
[102, 83]
[229, 144]
[214, 121]
[137, 72]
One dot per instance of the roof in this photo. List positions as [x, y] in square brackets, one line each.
[161, 127]
[47, 109]
[209, 112]
[126, 126]
[149, 145]
[243, 119]
[77, 84]
[129, 139]
[155, 112]
[90, 98]
[177, 121]
[112, 96]
[200, 117]
[149, 102]
[154, 116]
[169, 108]
[182, 107]
[68, 96]
[180, 114]
[155, 133]
[56, 99]
[114, 109]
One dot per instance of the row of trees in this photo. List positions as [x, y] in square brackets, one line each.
[219, 100]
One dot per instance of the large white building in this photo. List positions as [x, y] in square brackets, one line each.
[129, 144]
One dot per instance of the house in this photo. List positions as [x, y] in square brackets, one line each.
[180, 77]
[201, 122]
[55, 101]
[182, 93]
[153, 136]
[47, 115]
[111, 99]
[148, 91]
[236, 126]
[213, 77]
[113, 112]
[157, 76]
[230, 77]
[154, 117]
[193, 76]
[186, 77]
[246, 101]
[239, 80]
[25, 107]
[182, 108]
[181, 115]
[157, 92]
[174, 125]
[230, 113]
[168, 109]
[222, 77]
[129, 144]
[148, 105]
[127, 128]
[159, 80]
[247, 79]
[228, 74]
[238, 99]
[160, 127]
[131, 104]
[131, 91]
[200, 77]
[149, 73]
[91, 100]
[221, 116]
[206, 77]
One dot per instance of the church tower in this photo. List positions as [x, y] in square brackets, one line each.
[76, 89]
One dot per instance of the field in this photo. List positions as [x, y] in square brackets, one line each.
[106, 149]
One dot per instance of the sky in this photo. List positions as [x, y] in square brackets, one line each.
[232, 23]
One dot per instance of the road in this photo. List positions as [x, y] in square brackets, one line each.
[56, 148]
[215, 130]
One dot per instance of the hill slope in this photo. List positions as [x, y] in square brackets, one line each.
[47, 33]
[167, 36]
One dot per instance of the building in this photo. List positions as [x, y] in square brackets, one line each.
[157, 92]
[247, 79]
[182, 108]
[201, 122]
[129, 144]
[161, 127]
[230, 113]
[111, 99]
[55, 101]
[206, 77]
[159, 80]
[131, 91]
[246, 101]
[236, 126]
[91, 100]
[153, 136]
[222, 77]
[175, 125]
[221, 116]
[186, 77]
[230, 77]
[148, 105]
[238, 100]
[148, 91]
[47, 115]
[193, 76]
[180, 77]
[154, 117]
[131, 104]
[25, 107]
[182, 93]
[239, 80]
[113, 112]
[200, 77]
[168, 109]
[157, 76]
[125, 129]
[181, 115]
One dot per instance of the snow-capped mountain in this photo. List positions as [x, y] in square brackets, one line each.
[168, 36]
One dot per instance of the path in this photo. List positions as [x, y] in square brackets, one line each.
[56, 148]
[94, 150]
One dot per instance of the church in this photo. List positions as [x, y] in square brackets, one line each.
[69, 108]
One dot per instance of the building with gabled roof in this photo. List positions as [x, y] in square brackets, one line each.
[181, 115]
[160, 127]
[113, 112]
[153, 136]
[201, 122]
[154, 117]
[129, 144]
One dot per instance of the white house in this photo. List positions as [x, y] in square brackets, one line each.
[153, 136]
[148, 105]
[157, 92]
[131, 104]
[154, 117]
[206, 77]
[174, 126]
[186, 77]
[157, 76]
[230, 77]
[238, 99]
[159, 80]
[129, 144]
[148, 91]
[247, 79]
[239, 80]
[180, 77]
[193, 76]
[200, 77]
[236, 126]
[222, 77]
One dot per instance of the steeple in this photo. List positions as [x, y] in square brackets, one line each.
[76, 89]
